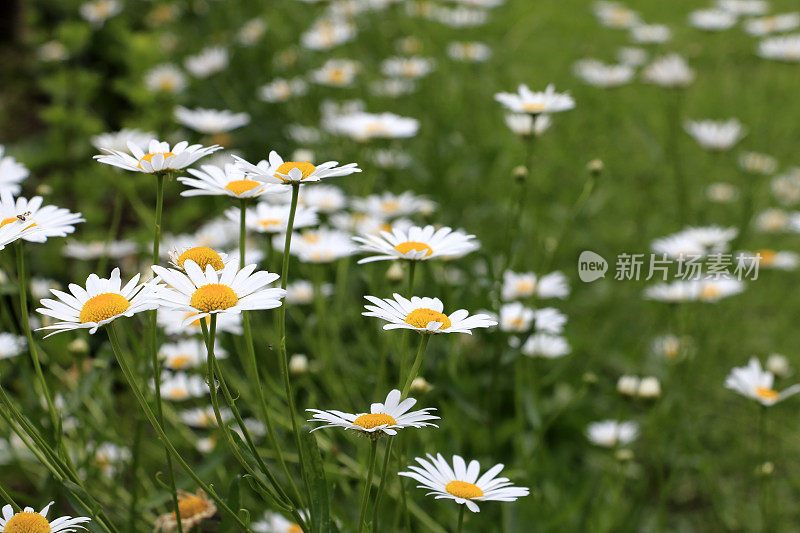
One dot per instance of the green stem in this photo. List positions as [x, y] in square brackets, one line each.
[153, 337]
[384, 474]
[423, 344]
[461, 518]
[151, 417]
[412, 267]
[368, 484]
[4, 496]
[242, 231]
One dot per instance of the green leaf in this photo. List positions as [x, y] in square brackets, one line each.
[314, 474]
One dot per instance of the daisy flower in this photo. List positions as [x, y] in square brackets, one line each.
[327, 33]
[13, 230]
[209, 61]
[204, 417]
[744, 7]
[712, 19]
[716, 135]
[525, 125]
[229, 291]
[277, 523]
[108, 457]
[546, 345]
[324, 198]
[612, 433]
[463, 483]
[650, 33]
[784, 48]
[549, 320]
[159, 157]
[35, 222]
[166, 78]
[669, 71]
[755, 383]
[386, 417]
[29, 520]
[102, 301]
[321, 245]
[615, 15]
[98, 11]
[96, 249]
[276, 170]
[193, 508]
[515, 317]
[388, 205]
[424, 315]
[362, 126]
[534, 103]
[187, 353]
[774, 24]
[181, 386]
[268, 218]
[416, 244]
[407, 67]
[11, 172]
[599, 74]
[525, 284]
[228, 181]
[471, 51]
[302, 292]
[280, 90]
[336, 73]
[210, 121]
[11, 345]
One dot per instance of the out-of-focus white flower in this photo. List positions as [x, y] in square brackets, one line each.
[327, 33]
[615, 15]
[632, 56]
[744, 7]
[211, 121]
[523, 285]
[208, 62]
[87, 251]
[773, 221]
[712, 19]
[52, 51]
[472, 51]
[757, 163]
[650, 34]
[546, 345]
[785, 48]
[407, 67]
[118, 140]
[99, 11]
[367, 126]
[599, 74]
[779, 365]
[336, 73]
[524, 125]
[527, 101]
[515, 317]
[716, 135]
[669, 71]
[280, 90]
[786, 187]
[252, 32]
[773, 24]
[165, 78]
[755, 383]
[298, 364]
[612, 433]
[722, 193]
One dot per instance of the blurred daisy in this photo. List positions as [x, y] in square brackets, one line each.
[363, 126]
[669, 346]
[108, 457]
[96, 249]
[599, 74]
[159, 157]
[281, 90]
[210, 121]
[35, 222]
[546, 345]
[230, 291]
[165, 78]
[336, 73]
[744, 7]
[772, 259]
[180, 386]
[632, 56]
[472, 51]
[754, 382]
[712, 19]
[722, 193]
[785, 48]
[302, 292]
[779, 365]
[523, 285]
[99, 11]
[268, 218]
[786, 188]
[227, 181]
[388, 205]
[52, 51]
[276, 523]
[424, 315]
[768, 221]
[12, 172]
[757, 163]
[416, 244]
[327, 33]
[615, 15]
[102, 301]
[650, 34]
[187, 353]
[550, 320]
[29, 520]
[716, 135]
[526, 125]
[193, 509]
[515, 317]
[534, 103]
[407, 67]
[11, 345]
[209, 61]
[173, 323]
[386, 417]
[646, 387]
[251, 32]
[319, 246]
[204, 417]
[219, 233]
[118, 140]
[463, 483]
[323, 198]
[392, 87]
[669, 71]
[276, 170]
[774, 24]
[612, 433]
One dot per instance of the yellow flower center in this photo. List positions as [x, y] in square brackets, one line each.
[414, 246]
[213, 297]
[526, 287]
[181, 361]
[269, 222]
[203, 256]
[710, 292]
[372, 420]
[671, 348]
[27, 522]
[178, 393]
[767, 257]
[390, 206]
[420, 318]
[102, 307]
[239, 187]
[533, 107]
[337, 76]
[294, 528]
[462, 489]
[304, 167]
[377, 129]
[767, 394]
[191, 505]
[149, 157]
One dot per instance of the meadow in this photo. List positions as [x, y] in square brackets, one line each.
[622, 403]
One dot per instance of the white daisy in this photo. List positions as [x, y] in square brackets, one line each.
[755, 383]
[268, 218]
[780, 260]
[227, 181]
[165, 78]
[34, 222]
[599, 74]
[323, 198]
[102, 301]
[187, 353]
[336, 73]
[210, 121]
[159, 157]
[462, 482]
[716, 135]
[209, 61]
[362, 126]
[277, 523]
[744, 7]
[302, 292]
[611, 433]
[96, 249]
[12, 172]
[515, 317]
[388, 205]
[525, 125]
[252, 31]
[527, 101]
[424, 315]
[471, 51]
[416, 244]
[204, 417]
[546, 345]
[407, 67]
[13, 230]
[321, 245]
[180, 386]
[276, 170]
[523, 285]
[549, 320]
[327, 33]
[650, 33]
[229, 291]
[29, 520]
[615, 15]
[784, 48]
[773, 24]
[280, 90]
[712, 19]
[386, 417]
[669, 71]
[11, 345]
[632, 56]
[98, 11]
